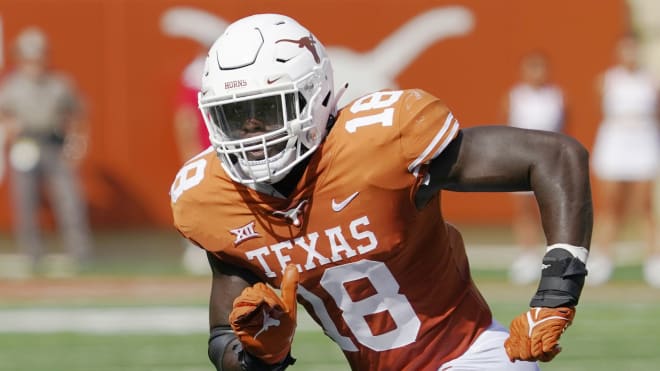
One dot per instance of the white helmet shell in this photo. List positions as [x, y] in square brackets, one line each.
[266, 62]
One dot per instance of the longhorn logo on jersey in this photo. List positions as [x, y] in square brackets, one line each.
[293, 213]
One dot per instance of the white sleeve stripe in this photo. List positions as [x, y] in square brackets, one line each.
[415, 171]
[433, 143]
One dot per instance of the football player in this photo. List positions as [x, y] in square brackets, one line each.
[338, 209]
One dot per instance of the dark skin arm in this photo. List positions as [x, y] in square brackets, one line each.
[504, 159]
[227, 284]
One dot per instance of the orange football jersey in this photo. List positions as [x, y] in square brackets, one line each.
[390, 284]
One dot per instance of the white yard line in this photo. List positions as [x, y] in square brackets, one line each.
[500, 256]
[162, 320]
[194, 319]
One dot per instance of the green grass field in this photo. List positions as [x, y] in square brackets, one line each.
[622, 336]
[611, 332]
[617, 326]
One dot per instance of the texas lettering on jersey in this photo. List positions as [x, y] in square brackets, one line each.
[306, 246]
[387, 282]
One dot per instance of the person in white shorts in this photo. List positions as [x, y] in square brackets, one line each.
[532, 103]
[626, 159]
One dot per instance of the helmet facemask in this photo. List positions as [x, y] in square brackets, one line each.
[260, 136]
[266, 97]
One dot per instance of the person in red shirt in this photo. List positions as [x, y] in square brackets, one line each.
[191, 138]
[338, 209]
[191, 135]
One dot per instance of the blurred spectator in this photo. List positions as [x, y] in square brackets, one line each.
[191, 135]
[2, 153]
[532, 103]
[47, 138]
[191, 138]
[626, 160]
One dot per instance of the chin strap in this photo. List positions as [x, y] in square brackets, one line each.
[340, 93]
[333, 115]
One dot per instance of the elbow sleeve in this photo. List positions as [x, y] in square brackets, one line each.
[219, 339]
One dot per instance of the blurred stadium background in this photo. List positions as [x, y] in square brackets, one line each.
[136, 308]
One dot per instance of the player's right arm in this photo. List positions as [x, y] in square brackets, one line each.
[251, 326]
[226, 285]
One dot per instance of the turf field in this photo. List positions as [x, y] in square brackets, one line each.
[131, 316]
[617, 328]
[606, 336]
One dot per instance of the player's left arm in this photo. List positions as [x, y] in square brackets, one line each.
[556, 168]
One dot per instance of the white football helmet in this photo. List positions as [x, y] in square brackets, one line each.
[266, 97]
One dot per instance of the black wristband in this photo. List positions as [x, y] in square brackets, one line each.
[562, 279]
[252, 363]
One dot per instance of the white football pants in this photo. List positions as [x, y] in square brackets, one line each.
[487, 353]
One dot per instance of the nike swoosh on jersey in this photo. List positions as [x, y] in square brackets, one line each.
[341, 205]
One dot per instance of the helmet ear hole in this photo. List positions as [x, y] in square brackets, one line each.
[302, 101]
[326, 99]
